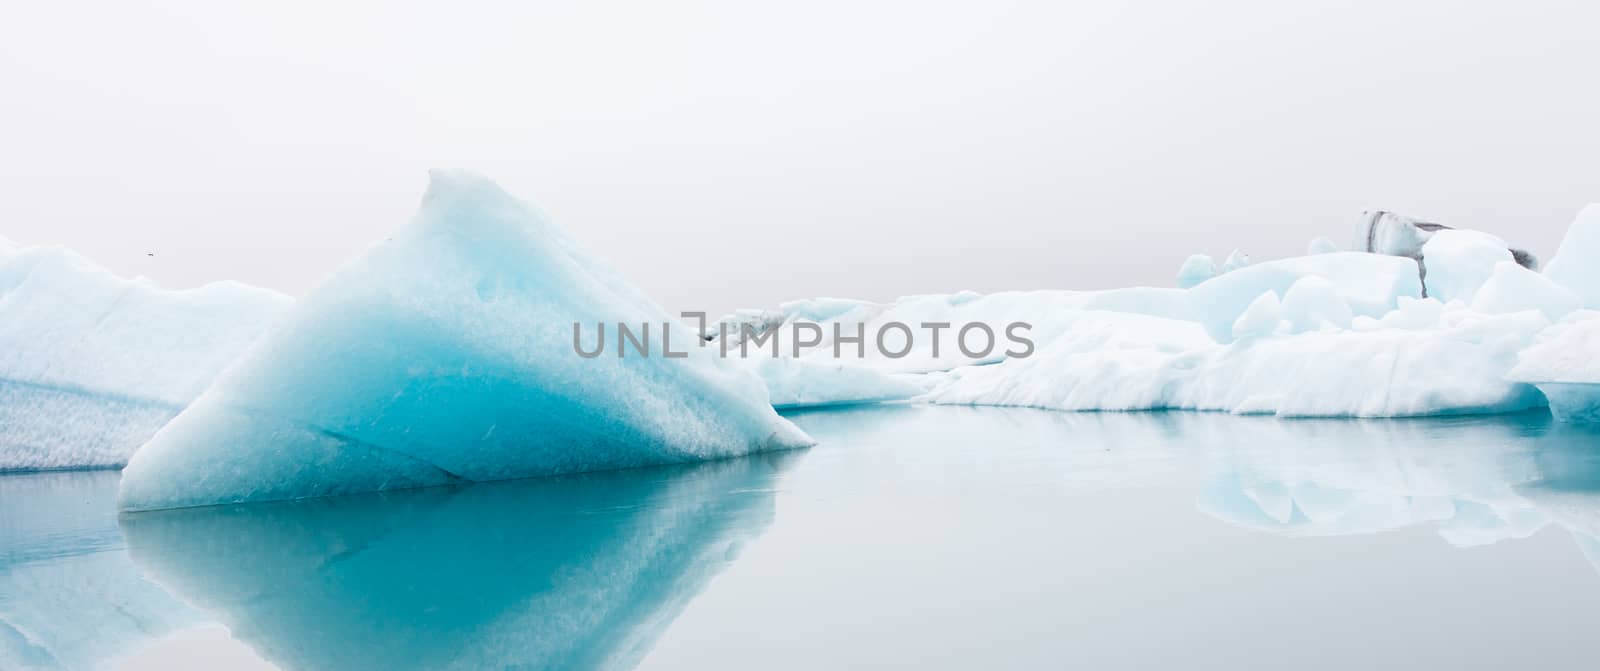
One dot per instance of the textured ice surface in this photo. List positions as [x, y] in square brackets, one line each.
[446, 354]
[575, 572]
[1576, 264]
[91, 364]
[1565, 364]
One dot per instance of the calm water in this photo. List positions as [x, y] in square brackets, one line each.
[912, 537]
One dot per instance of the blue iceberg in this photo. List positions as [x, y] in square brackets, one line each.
[446, 354]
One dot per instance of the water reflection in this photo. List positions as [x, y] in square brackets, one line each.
[1479, 480]
[69, 598]
[589, 571]
[571, 572]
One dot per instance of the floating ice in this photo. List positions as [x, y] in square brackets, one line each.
[91, 364]
[1576, 264]
[1370, 285]
[1261, 318]
[1513, 288]
[1236, 259]
[1313, 304]
[1565, 364]
[1322, 246]
[796, 383]
[1456, 263]
[1132, 362]
[446, 354]
[1196, 269]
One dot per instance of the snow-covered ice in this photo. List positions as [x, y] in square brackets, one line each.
[447, 354]
[91, 364]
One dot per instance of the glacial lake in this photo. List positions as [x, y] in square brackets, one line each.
[911, 537]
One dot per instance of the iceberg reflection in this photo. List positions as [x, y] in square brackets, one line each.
[1481, 480]
[577, 571]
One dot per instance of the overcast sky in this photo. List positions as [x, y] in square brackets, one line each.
[729, 154]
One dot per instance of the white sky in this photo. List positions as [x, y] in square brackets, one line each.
[728, 154]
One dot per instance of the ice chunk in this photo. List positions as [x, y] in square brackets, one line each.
[1566, 352]
[1128, 362]
[91, 364]
[1322, 246]
[447, 354]
[1196, 269]
[1455, 263]
[1312, 304]
[1513, 288]
[1565, 364]
[1413, 314]
[795, 383]
[1261, 318]
[825, 309]
[1576, 264]
[1370, 284]
[1236, 259]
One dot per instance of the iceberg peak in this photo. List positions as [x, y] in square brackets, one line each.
[447, 354]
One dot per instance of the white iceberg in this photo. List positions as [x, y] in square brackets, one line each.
[92, 364]
[1513, 288]
[1576, 264]
[1370, 284]
[1196, 269]
[1565, 364]
[445, 354]
[1455, 263]
[1133, 362]
[800, 383]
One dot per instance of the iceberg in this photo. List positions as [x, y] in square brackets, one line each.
[1575, 264]
[1513, 288]
[801, 383]
[1565, 364]
[1455, 263]
[1370, 284]
[92, 364]
[1134, 362]
[447, 354]
[1196, 269]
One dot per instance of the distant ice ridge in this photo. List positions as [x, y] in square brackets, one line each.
[446, 354]
[92, 364]
[1331, 334]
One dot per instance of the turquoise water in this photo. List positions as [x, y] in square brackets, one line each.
[911, 537]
